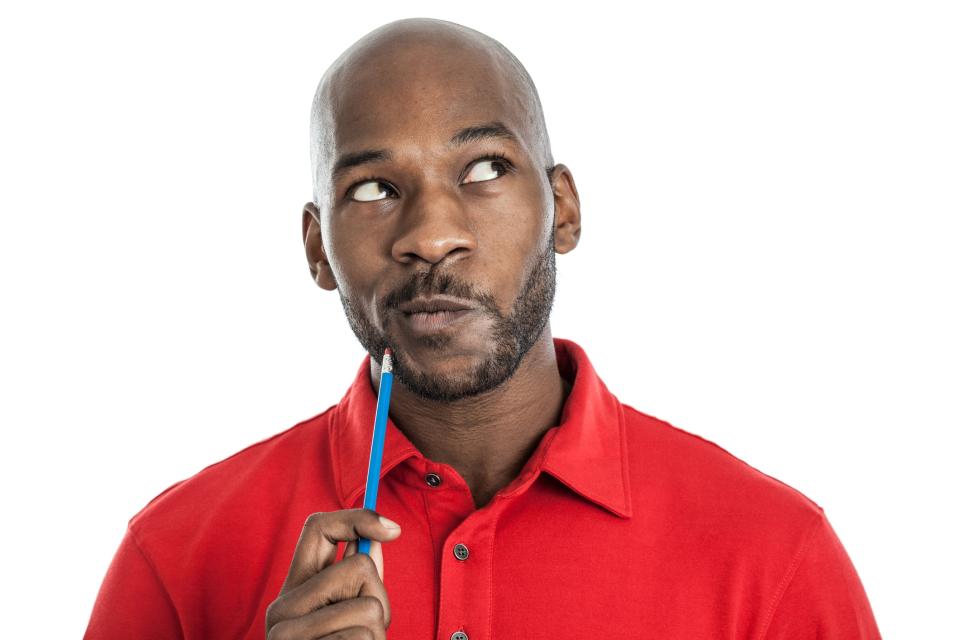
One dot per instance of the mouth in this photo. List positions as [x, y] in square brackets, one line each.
[431, 315]
[424, 322]
[433, 304]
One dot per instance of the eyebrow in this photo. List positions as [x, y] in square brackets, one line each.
[474, 133]
[350, 160]
[480, 132]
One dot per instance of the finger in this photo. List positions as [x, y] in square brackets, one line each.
[376, 554]
[351, 578]
[353, 633]
[317, 546]
[354, 618]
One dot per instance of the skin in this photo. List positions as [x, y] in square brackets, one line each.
[481, 396]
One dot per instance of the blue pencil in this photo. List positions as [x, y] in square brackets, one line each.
[376, 446]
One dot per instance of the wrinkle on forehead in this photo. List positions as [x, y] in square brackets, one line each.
[409, 60]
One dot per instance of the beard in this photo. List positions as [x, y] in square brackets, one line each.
[512, 335]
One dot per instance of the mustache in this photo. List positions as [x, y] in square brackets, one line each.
[431, 283]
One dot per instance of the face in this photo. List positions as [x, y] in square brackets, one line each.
[432, 192]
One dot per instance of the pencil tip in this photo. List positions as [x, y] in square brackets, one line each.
[387, 364]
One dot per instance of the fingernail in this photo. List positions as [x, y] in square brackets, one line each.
[389, 524]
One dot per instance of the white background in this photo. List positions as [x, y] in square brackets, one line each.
[769, 256]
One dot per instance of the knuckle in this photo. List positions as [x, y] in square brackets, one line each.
[277, 611]
[371, 610]
[367, 567]
[314, 519]
[281, 631]
[273, 613]
[357, 633]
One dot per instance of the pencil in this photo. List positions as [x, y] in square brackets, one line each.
[376, 445]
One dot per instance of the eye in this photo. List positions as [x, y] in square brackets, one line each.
[370, 190]
[486, 169]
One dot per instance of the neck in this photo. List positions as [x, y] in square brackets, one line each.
[486, 438]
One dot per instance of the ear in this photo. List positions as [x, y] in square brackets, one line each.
[566, 202]
[313, 244]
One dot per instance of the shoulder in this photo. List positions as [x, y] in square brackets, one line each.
[243, 484]
[211, 539]
[708, 482]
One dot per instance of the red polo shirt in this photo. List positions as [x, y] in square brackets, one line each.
[619, 525]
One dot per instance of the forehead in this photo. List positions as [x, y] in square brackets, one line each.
[421, 94]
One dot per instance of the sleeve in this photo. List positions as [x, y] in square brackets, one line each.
[132, 602]
[823, 598]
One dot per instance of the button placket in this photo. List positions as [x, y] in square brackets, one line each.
[465, 579]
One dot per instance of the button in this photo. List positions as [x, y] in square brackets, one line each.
[433, 480]
[459, 635]
[461, 551]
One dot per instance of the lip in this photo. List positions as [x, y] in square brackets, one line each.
[433, 322]
[434, 303]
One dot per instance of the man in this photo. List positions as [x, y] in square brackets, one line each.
[523, 499]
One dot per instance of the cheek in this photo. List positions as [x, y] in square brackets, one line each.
[510, 233]
[350, 258]
[518, 210]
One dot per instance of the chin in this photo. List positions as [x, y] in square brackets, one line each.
[439, 364]
[447, 380]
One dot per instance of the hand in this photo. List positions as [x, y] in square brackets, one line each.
[323, 599]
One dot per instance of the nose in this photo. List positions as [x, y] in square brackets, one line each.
[434, 225]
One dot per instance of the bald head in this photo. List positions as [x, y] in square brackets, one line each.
[414, 74]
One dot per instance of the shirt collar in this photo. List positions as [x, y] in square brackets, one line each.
[587, 453]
